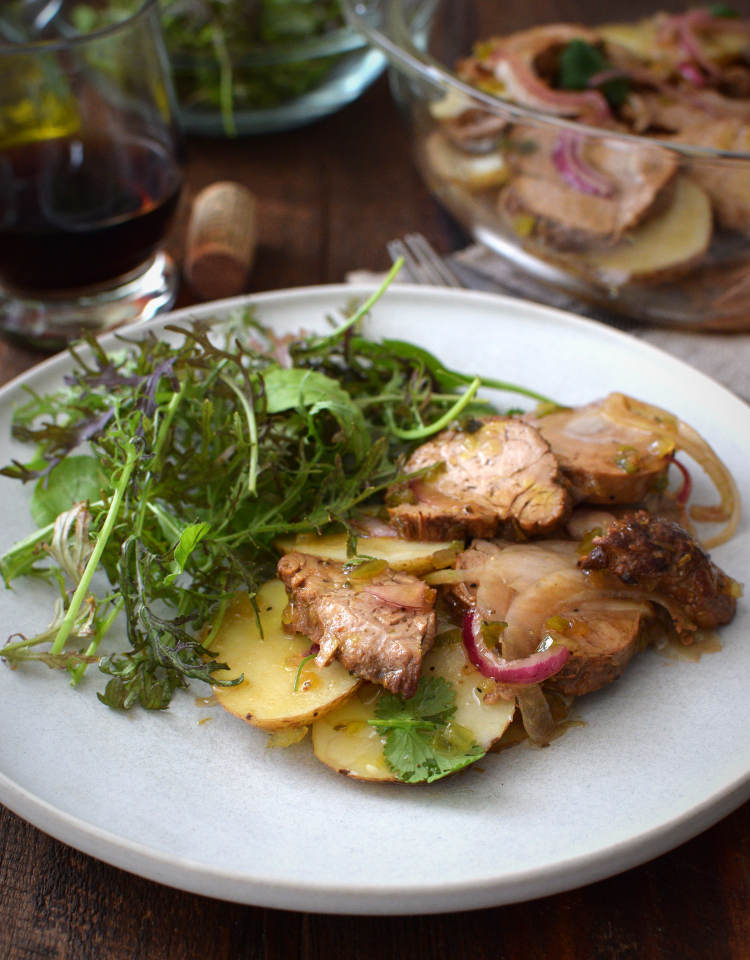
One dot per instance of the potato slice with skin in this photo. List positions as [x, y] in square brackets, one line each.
[266, 697]
[345, 741]
[409, 556]
[474, 171]
[663, 247]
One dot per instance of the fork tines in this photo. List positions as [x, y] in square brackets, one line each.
[422, 262]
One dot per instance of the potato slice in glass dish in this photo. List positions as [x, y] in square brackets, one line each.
[409, 556]
[344, 740]
[267, 697]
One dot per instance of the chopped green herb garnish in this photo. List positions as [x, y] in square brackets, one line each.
[422, 741]
[580, 62]
[723, 11]
[627, 459]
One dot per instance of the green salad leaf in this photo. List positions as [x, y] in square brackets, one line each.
[166, 470]
[422, 742]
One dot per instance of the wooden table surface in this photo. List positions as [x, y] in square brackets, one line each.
[329, 198]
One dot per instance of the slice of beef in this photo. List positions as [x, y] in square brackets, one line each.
[379, 628]
[662, 558]
[500, 477]
[604, 461]
[527, 585]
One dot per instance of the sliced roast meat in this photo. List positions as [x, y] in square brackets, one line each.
[378, 628]
[537, 587]
[604, 461]
[526, 62]
[501, 477]
[725, 183]
[637, 181]
[660, 557]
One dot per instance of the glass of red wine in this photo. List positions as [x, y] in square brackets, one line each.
[90, 168]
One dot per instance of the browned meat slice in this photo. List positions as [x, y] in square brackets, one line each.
[637, 181]
[537, 587]
[501, 476]
[661, 558]
[605, 461]
[726, 185]
[379, 628]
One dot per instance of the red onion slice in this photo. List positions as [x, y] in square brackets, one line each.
[527, 670]
[688, 71]
[526, 87]
[683, 494]
[567, 156]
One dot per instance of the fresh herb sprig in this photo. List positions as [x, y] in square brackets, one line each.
[165, 471]
[422, 741]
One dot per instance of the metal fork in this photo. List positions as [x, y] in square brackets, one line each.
[422, 262]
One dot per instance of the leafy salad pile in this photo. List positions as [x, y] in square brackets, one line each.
[208, 39]
[165, 470]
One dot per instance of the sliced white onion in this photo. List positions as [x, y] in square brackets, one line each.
[645, 416]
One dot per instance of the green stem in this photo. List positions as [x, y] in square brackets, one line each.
[417, 433]
[365, 307]
[93, 562]
[7, 561]
[253, 430]
[514, 388]
[78, 671]
[225, 80]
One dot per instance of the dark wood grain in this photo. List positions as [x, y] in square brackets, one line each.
[329, 199]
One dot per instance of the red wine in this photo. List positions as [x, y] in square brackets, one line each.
[79, 212]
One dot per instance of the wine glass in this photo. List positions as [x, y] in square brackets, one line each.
[90, 171]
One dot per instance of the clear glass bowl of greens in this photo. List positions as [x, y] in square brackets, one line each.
[257, 66]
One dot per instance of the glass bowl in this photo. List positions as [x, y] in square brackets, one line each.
[243, 68]
[601, 181]
[274, 88]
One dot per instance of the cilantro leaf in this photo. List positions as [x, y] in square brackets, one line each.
[579, 62]
[422, 742]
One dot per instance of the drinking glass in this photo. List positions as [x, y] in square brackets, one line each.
[90, 169]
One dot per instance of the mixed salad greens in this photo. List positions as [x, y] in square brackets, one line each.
[212, 42]
[165, 471]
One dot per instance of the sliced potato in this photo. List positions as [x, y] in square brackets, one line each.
[477, 171]
[663, 247]
[487, 721]
[266, 697]
[639, 37]
[410, 556]
[344, 740]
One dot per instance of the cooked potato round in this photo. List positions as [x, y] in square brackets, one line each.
[662, 247]
[344, 740]
[473, 171]
[487, 721]
[409, 556]
[266, 697]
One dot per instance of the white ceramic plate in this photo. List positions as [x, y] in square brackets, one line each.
[204, 806]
